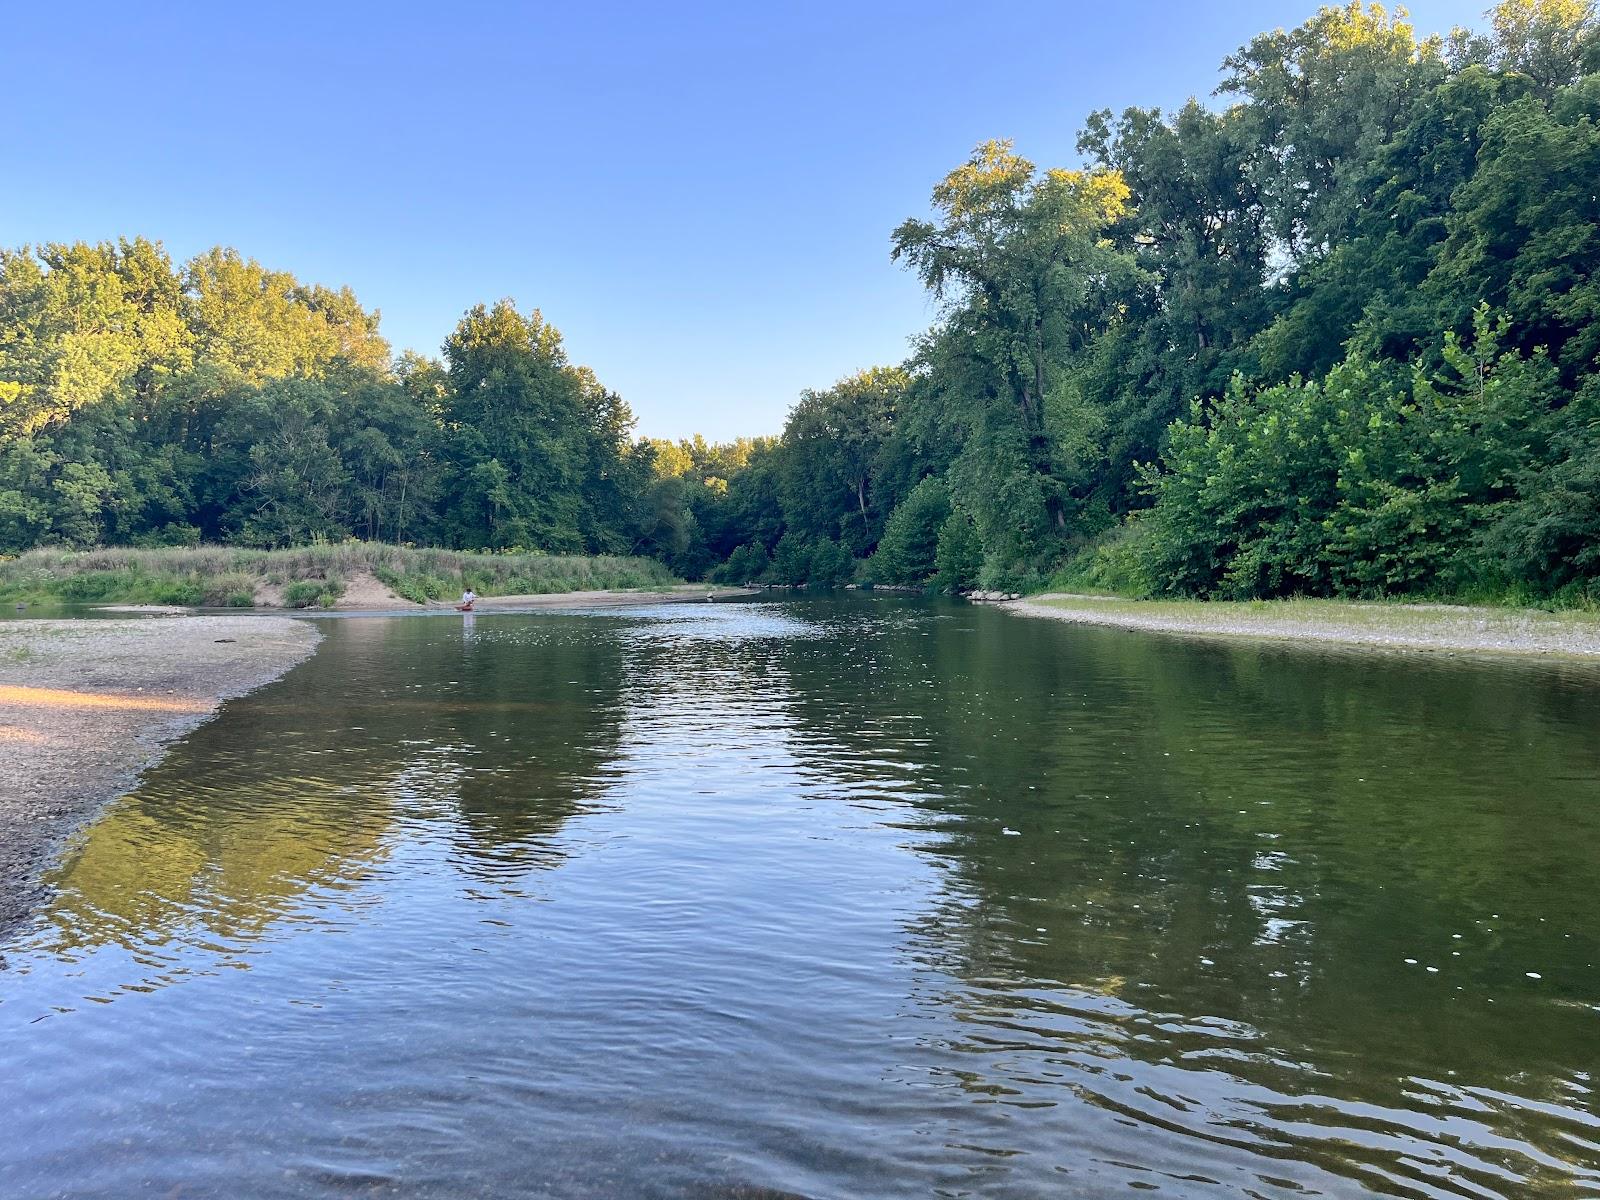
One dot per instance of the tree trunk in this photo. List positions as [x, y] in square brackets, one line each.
[1038, 367]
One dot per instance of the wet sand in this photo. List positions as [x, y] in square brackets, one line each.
[86, 705]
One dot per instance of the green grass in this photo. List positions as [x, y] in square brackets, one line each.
[313, 593]
[219, 576]
[418, 587]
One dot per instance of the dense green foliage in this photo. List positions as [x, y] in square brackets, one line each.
[1335, 334]
[144, 404]
[1380, 479]
[1336, 337]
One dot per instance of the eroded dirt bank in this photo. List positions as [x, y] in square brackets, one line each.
[86, 705]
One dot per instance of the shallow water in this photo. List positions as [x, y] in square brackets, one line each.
[851, 897]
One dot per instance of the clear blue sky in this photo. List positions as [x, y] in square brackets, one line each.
[699, 195]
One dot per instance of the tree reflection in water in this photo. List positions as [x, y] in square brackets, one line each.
[1238, 863]
[281, 808]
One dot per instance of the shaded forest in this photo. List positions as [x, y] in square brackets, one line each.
[1331, 333]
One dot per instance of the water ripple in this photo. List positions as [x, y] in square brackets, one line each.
[826, 898]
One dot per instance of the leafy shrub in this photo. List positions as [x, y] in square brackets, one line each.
[1373, 481]
[831, 565]
[958, 555]
[748, 564]
[188, 593]
[908, 550]
[100, 586]
[232, 590]
[175, 534]
[1116, 563]
[791, 561]
[417, 588]
[313, 593]
[998, 575]
[1549, 533]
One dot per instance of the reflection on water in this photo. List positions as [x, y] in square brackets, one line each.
[829, 897]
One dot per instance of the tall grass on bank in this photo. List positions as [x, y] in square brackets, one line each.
[309, 576]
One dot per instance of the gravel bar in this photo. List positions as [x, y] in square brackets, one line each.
[1438, 627]
[86, 705]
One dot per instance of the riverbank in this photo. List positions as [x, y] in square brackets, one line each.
[678, 594]
[358, 575]
[1432, 627]
[86, 705]
[375, 601]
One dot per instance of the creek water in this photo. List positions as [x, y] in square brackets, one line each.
[828, 897]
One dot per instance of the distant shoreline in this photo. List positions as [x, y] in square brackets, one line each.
[1376, 626]
[345, 575]
[613, 598]
[364, 601]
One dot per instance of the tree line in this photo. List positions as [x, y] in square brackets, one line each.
[1333, 333]
[144, 403]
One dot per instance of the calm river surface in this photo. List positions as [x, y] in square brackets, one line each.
[854, 897]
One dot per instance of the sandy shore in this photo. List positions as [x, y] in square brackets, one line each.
[1437, 627]
[86, 705]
